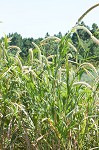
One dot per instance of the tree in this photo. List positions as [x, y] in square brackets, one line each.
[16, 39]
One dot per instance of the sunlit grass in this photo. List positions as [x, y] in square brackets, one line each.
[45, 103]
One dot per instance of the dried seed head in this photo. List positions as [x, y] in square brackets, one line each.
[50, 38]
[82, 83]
[31, 55]
[72, 46]
[19, 62]
[95, 40]
[89, 65]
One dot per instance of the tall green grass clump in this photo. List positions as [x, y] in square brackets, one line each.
[45, 103]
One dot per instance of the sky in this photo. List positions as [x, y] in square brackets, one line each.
[34, 18]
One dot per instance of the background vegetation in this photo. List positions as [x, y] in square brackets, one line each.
[86, 46]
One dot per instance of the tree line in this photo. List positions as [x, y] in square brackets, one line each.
[87, 48]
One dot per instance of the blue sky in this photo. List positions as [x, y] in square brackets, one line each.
[34, 18]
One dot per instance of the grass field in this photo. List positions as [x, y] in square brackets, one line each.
[46, 103]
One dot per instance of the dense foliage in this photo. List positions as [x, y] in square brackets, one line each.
[49, 92]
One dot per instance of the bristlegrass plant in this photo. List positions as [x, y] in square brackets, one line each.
[47, 104]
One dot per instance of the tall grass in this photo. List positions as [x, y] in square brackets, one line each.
[44, 104]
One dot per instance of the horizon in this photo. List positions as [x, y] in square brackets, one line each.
[54, 34]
